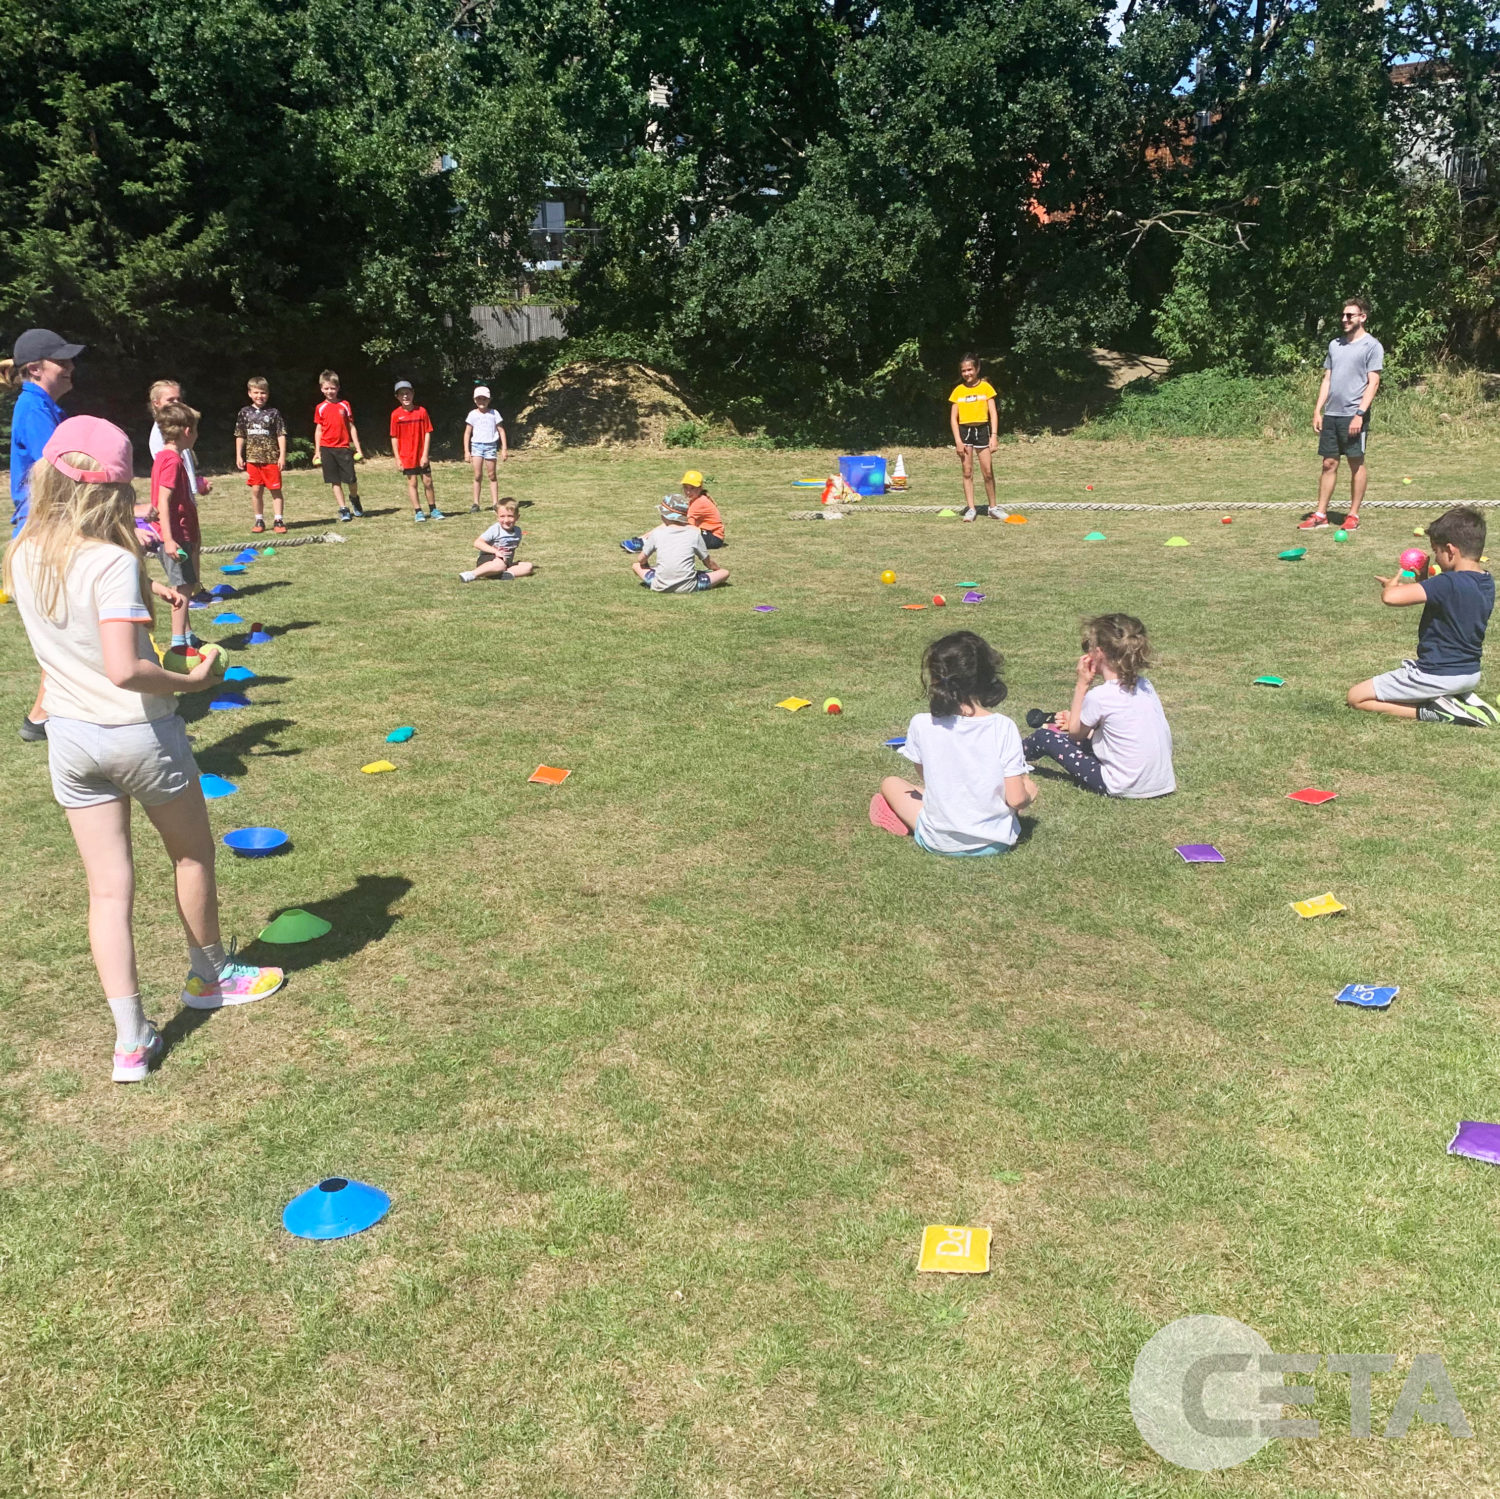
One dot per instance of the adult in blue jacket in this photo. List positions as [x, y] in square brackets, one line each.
[42, 365]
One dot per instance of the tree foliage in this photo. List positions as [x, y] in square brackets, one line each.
[805, 206]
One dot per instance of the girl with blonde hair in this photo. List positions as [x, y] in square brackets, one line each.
[78, 580]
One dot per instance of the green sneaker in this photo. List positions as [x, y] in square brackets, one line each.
[1482, 710]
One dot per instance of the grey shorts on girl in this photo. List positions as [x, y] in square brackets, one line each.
[93, 763]
[484, 449]
[1409, 683]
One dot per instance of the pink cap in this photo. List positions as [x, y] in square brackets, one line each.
[104, 442]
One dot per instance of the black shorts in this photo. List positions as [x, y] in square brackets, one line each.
[974, 434]
[338, 466]
[712, 542]
[484, 557]
[1334, 440]
[421, 468]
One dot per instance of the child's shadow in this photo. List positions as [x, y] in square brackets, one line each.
[241, 640]
[360, 915]
[232, 754]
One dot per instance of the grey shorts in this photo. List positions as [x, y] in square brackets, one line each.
[1334, 440]
[94, 763]
[182, 572]
[1410, 684]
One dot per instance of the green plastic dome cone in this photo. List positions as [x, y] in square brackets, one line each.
[296, 926]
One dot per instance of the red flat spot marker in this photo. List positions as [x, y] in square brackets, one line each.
[549, 775]
[1311, 797]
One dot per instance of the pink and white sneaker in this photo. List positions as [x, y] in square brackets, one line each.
[132, 1066]
[883, 816]
[239, 984]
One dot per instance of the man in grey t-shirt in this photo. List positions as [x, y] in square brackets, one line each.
[1341, 415]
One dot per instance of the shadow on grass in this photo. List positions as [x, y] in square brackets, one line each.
[241, 640]
[359, 916]
[232, 754]
[247, 589]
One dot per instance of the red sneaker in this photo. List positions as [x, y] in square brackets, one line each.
[1314, 522]
[1351, 523]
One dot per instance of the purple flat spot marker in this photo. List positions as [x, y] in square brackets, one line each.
[765, 608]
[1199, 853]
[1480, 1142]
[973, 596]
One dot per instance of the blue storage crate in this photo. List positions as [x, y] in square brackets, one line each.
[864, 474]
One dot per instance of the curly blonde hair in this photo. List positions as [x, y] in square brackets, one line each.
[1121, 639]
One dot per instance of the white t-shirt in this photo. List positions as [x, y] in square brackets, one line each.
[1131, 739]
[102, 582]
[158, 442]
[678, 550]
[964, 765]
[486, 424]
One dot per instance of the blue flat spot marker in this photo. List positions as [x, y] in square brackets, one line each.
[895, 741]
[232, 567]
[260, 637]
[400, 736]
[249, 554]
[226, 701]
[255, 843]
[334, 1209]
[239, 674]
[1367, 996]
[228, 619]
[216, 786]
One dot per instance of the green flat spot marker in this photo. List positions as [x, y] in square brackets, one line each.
[268, 551]
[1269, 682]
[947, 515]
[296, 926]
[1096, 536]
[1292, 554]
[966, 585]
[1175, 541]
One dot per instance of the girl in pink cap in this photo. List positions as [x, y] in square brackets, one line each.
[77, 577]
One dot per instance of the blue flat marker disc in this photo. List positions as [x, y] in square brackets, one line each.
[239, 674]
[216, 786]
[334, 1209]
[896, 741]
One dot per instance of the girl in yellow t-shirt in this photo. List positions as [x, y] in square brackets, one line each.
[971, 414]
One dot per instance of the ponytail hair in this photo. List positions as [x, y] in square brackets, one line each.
[1121, 639]
[962, 668]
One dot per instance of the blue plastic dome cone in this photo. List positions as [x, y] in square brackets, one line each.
[334, 1209]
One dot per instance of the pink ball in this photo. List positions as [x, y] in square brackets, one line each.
[1414, 560]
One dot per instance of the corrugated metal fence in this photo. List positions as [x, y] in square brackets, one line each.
[505, 327]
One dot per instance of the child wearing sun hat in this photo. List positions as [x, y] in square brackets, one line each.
[679, 548]
[701, 511]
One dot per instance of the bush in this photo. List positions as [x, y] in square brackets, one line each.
[688, 434]
[299, 451]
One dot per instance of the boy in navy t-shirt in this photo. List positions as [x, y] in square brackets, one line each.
[1439, 686]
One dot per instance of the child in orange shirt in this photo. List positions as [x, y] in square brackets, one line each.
[702, 512]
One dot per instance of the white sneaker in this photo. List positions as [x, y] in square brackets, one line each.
[132, 1066]
[466, 577]
[970, 513]
[996, 513]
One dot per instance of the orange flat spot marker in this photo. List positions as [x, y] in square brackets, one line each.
[549, 775]
[1311, 796]
[1015, 520]
[914, 606]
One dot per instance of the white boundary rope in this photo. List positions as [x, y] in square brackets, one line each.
[280, 546]
[1224, 508]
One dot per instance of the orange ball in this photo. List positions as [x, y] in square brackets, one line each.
[939, 600]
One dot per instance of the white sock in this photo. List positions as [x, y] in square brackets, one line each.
[207, 962]
[130, 1022]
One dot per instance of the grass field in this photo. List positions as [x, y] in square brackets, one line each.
[666, 1068]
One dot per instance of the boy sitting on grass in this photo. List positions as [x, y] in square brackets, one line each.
[679, 549]
[497, 547]
[1439, 686]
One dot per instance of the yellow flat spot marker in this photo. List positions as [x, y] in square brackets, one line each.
[950, 1250]
[1319, 905]
[549, 775]
[375, 767]
[791, 704]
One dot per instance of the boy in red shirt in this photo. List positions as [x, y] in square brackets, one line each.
[411, 439]
[336, 444]
[172, 495]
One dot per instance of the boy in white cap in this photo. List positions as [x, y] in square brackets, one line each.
[484, 443]
[679, 549]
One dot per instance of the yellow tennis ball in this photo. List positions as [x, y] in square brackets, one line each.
[183, 659]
